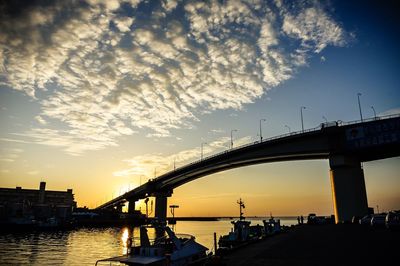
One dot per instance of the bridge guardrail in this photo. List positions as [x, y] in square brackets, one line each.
[370, 119]
[339, 123]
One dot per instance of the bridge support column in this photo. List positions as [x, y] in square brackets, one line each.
[131, 206]
[348, 188]
[162, 205]
[119, 208]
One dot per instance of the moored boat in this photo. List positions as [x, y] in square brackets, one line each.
[169, 249]
[271, 226]
[241, 233]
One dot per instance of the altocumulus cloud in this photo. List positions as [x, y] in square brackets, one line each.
[110, 68]
[147, 164]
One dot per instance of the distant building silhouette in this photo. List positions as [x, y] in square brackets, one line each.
[35, 204]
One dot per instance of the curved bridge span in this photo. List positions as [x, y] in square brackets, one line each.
[346, 145]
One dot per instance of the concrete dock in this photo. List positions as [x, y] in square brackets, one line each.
[343, 244]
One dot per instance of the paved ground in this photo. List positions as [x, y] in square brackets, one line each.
[323, 245]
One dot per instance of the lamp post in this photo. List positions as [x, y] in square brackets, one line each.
[359, 105]
[301, 115]
[233, 130]
[326, 120]
[201, 157]
[173, 221]
[287, 127]
[373, 109]
[261, 138]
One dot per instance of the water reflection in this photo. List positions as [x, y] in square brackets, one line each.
[33, 248]
[85, 246]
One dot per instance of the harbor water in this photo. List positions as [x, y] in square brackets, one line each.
[84, 246]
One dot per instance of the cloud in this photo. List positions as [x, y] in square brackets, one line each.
[9, 155]
[123, 24]
[108, 69]
[150, 164]
[217, 131]
[33, 172]
[40, 120]
[229, 195]
[14, 140]
[394, 111]
[313, 27]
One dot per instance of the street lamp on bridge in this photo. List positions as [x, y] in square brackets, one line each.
[201, 155]
[373, 109]
[301, 115]
[261, 120]
[288, 128]
[359, 105]
[233, 130]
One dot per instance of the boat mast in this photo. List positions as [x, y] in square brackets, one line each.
[241, 206]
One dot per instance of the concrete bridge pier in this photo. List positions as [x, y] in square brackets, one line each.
[119, 208]
[131, 206]
[348, 188]
[162, 204]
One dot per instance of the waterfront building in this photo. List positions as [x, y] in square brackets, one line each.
[36, 204]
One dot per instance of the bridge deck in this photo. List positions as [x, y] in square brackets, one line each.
[367, 140]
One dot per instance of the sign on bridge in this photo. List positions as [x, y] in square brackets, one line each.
[376, 133]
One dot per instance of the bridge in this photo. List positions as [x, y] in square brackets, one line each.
[345, 145]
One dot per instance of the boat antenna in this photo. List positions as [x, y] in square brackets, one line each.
[241, 206]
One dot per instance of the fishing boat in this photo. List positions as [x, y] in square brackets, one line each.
[241, 233]
[169, 249]
[271, 226]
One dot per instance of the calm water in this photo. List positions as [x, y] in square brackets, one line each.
[86, 246]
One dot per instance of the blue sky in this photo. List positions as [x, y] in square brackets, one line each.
[106, 92]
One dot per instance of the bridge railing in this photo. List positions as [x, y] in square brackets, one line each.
[317, 128]
[368, 119]
[249, 144]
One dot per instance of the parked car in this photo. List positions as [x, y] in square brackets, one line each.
[355, 220]
[392, 220]
[378, 220]
[312, 218]
[366, 220]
